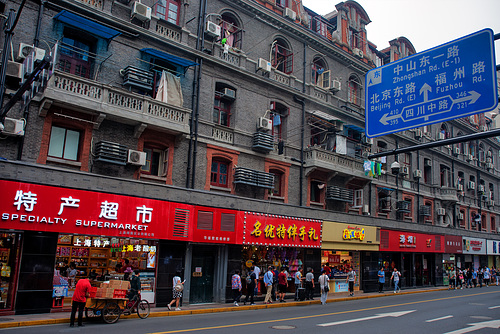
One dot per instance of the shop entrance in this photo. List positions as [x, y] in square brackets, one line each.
[202, 275]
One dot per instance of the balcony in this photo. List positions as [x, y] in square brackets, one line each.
[447, 194]
[319, 158]
[73, 92]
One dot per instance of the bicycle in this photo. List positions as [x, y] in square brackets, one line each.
[109, 309]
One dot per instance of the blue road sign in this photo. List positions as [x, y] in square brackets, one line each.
[454, 80]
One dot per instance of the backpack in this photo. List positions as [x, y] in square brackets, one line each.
[249, 279]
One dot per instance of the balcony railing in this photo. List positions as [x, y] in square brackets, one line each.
[320, 158]
[84, 94]
[448, 194]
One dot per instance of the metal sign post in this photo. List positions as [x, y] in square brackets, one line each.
[454, 80]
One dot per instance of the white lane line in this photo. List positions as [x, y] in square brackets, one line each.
[437, 319]
[493, 307]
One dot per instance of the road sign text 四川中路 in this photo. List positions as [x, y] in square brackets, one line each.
[454, 80]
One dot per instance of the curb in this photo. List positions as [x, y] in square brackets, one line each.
[219, 309]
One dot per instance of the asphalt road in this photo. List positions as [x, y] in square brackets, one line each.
[454, 312]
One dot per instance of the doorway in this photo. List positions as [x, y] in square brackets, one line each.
[202, 274]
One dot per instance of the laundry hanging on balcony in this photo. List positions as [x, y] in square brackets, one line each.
[169, 89]
[372, 168]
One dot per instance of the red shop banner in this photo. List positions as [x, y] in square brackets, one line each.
[34, 207]
[275, 230]
[453, 244]
[400, 241]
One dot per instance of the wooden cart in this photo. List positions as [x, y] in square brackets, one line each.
[110, 309]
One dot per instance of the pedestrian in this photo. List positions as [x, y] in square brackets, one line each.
[268, 283]
[236, 287]
[468, 276]
[135, 285]
[309, 284]
[486, 274]
[474, 277]
[324, 286]
[274, 292]
[351, 278]
[381, 280]
[298, 282]
[495, 275]
[480, 276]
[257, 276]
[395, 278]
[251, 283]
[177, 288]
[327, 269]
[127, 270]
[461, 279]
[282, 285]
[452, 279]
[72, 272]
[80, 295]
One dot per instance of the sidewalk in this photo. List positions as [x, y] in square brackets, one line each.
[9, 321]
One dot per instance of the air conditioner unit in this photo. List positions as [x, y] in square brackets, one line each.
[26, 49]
[136, 157]
[480, 188]
[141, 12]
[427, 163]
[441, 135]
[489, 166]
[441, 211]
[471, 185]
[358, 52]
[460, 187]
[483, 128]
[229, 93]
[405, 170]
[265, 123]
[456, 150]
[498, 229]
[470, 157]
[489, 154]
[13, 127]
[368, 141]
[460, 216]
[491, 202]
[14, 70]
[366, 210]
[213, 29]
[264, 65]
[336, 85]
[418, 133]
[417, 174]
[290, 14]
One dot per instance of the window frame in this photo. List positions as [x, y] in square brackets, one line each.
[162, 168]
[165, 13]
[280, 51]
[63, 154]
[219, 162]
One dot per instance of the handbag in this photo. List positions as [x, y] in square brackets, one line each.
[179, 287]
[326, 288]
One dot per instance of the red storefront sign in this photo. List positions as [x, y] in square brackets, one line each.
[34, 207]
[453, 244]
[274, 230]
[399, 241]
[215, 225]
[333, 258]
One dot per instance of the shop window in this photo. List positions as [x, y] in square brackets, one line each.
[76, 54]
[168, 10]
[205, 220]
[223, 100]
[156, 162]
[281, 56]
[231, 31]
[64, 143]
[227, 222]
[219, 174]
[354, 90]
[9, 252]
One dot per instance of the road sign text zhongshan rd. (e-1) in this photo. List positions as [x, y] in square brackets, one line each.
[454, 80]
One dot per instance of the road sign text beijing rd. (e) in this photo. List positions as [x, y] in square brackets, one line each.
[454, 80]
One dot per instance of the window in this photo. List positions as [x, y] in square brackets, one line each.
[445, 174]
[481, 153]
[75, 55]
[168, 10]
[461, 145]
[483, 224]
[405, 161]
[358, 198]
[355, 39]
[278, 115]
[354, 91]
[492, 224]
[443, 132]
[219, 172]
[384, 200]
[491, 194]
[427, 171]
[231, 31]
[64, 143]
[278, 183]
[156, 162]
[281, 56]
[461, 181]
[408, 215]
[463, 221]
[222, 105]
[205, 220]
[429, 219]
[320, 75]
[282, 3]
[316, 191]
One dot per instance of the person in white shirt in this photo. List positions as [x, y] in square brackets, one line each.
[395, 277]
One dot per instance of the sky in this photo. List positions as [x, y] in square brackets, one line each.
[425, 23]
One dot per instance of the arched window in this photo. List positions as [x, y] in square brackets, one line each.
[282, 56]
[443, 132]
[481, 153]
[354, 92]
[168, 10]
[231, 30]
[320, 74]
[461, 145]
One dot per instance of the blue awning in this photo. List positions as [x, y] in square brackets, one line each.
[354, 127]
[87, 25]
[169, 58]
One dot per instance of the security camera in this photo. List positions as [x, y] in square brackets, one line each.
[395, 167]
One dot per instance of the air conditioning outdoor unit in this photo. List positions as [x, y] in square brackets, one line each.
[290, 14]
[264, 65]
[418, 133]
[471, 185]
[366, 210]
[480, 188]
[489, 154]
[417, 174]
[13, 127]
[141, 12]
[470, 157]
[405, 170]
[213, 29]
[229, 93]
[456, 150]
[441, 211]
[483, 128]
[441, 135]
[427, 163]
[460, 216]
[368, 140]
[498, 229]
[460, 187]
[491, 202]
[265, 123]
[26, 49]
[136, 158]
[14, 70]
[357, 52]
[336, 85]
[489, 166]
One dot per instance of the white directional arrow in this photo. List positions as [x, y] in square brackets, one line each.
[378, 316]
[472, 97]
[425, 89]
[384, 120]
[477, 326]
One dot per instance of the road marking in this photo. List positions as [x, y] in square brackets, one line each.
[320, 315]
[477, 326]
[442, 318]
[493, 307]
[383, 315]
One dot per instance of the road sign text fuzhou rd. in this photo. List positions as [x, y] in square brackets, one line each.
[454, 80]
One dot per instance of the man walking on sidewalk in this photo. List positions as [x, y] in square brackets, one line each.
[351, 278]
[395, 277]
[309, 284]
[268, 282]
